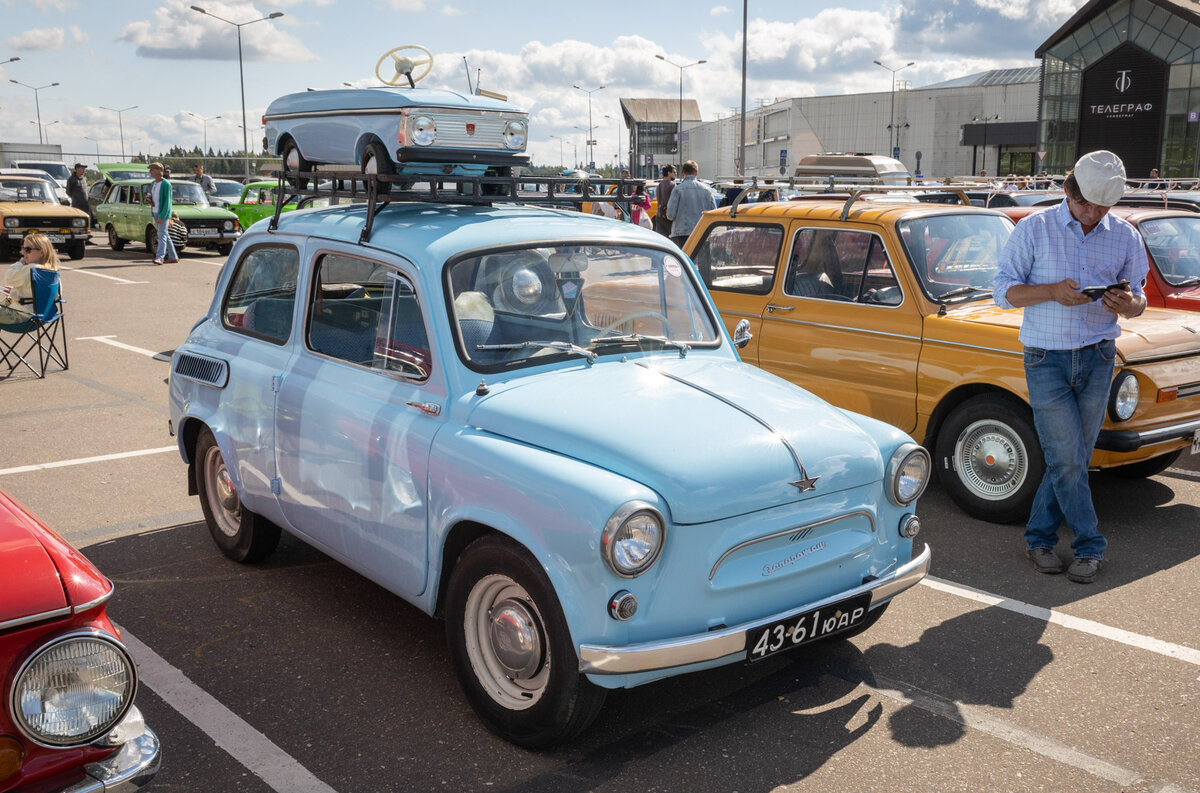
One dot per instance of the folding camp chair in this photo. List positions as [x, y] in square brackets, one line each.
[44, 330]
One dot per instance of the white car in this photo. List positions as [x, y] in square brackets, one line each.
[60, 192]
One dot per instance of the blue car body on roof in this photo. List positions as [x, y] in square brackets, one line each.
[423, 131]
[478, 385]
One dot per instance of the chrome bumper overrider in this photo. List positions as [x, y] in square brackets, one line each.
[133, 765]
[669, 653]
[1132, 440]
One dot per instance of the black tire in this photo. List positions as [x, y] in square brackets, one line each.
[546, 701]
[76, 250]
[224, 248]
[293, 162]
[1145, 468]
[495, 189]
[240, 534]
[375, 159]
[114, 242]
[152, 239]
[989, 458]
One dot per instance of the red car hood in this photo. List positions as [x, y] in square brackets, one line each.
[42, 573]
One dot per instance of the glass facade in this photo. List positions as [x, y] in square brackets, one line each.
[1156, 31]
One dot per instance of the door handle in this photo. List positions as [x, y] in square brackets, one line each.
[773, 307]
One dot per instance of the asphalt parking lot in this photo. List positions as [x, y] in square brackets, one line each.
[297, 675]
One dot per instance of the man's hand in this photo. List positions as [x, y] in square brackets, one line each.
[1122, 302]
[1066, 292]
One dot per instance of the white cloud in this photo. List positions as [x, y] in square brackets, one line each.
[56, 5]
[180, 33]
[451, 11]
[39, 39]
[719, 10]
[78, 35]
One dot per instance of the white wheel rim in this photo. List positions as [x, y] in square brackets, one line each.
[223, 501]
[495, 598]
[991, 460]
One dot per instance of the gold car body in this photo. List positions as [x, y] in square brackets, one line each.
[912, 359]
[26, 206]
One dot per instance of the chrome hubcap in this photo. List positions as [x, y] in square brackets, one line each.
[506, 642]
[991, 460]
[514, 638]
[223, 499]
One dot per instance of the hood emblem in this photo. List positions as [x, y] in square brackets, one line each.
[470, 129]
[805, 482]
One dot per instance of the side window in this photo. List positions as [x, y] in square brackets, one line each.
[367, 314]
[739, 258]
[262, 294]
[846, 266]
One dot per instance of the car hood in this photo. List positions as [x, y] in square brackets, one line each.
[1158, 334]
[38, 208]
[672, 425]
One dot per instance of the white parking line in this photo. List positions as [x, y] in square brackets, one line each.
[22, 469]
[1176, 651]
[248, 746]
[158, 356]
[101, 275]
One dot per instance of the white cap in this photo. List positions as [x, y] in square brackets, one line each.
[1101, 178]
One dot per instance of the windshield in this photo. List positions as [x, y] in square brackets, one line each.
[1174, 245]
[55, 169]
[116, 176]
[228, 189]
[538, 305]
[187, 193]
[26, 190]
[954, 256]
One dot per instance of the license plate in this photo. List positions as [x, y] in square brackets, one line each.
[808, 626]
[203, 230]
[56, 238]
[1196, 442]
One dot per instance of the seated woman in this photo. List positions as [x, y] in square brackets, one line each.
[36, 251]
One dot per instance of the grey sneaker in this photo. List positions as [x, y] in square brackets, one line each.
[1083, 571]
[1045, 560]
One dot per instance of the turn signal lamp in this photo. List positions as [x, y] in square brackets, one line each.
[11, 756]
[1168, 394]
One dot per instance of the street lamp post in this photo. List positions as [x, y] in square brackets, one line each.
[679, 128]
[47, 125]
[204, 121]
[591, 151]
[36, 102]
[120, 123]
[241, 74]
[892, 136]
[93, 140]
[560, 151]
[618, 151]
[986, 120]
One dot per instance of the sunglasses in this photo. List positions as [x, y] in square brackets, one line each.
[28, 249]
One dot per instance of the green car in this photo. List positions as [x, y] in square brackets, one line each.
[125, 215]
[258, 202]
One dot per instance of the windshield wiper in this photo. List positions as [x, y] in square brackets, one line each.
[963, 290]
[564, 346]
[683, 347]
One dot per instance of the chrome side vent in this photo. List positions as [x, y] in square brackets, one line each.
[210, 371]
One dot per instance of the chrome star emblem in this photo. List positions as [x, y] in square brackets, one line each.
[805, 482]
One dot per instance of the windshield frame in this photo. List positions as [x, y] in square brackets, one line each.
[30, 182]
[186, 186]
[702, 302]
[920, 273]
[1169, 278]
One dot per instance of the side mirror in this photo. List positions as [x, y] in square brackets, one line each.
[742, 334]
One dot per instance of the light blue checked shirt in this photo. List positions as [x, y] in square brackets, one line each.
[1050, 245]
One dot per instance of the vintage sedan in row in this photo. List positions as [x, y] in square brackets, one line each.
[125, 216]
[531, 422]
[70, 724]
[257, 201]
[886, 309]
[28, 204]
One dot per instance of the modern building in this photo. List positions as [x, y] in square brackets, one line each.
[652, 124]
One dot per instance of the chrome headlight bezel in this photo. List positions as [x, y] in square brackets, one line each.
[422, 130]
[12, 223]
[516, 135]
[908, 474]
[1123, 396]
[119, 655]
[79, 223]
[613, 545]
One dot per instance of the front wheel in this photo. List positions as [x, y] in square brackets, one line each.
[512, 649]
[241, 535]
[224, 248]
[114, 242]
[989, 458]
[76, 250]
[375, 160]
[152, 239]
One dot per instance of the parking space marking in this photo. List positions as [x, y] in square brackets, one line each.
[22, 469]
[101, 275]
[258, 753]
[1176, 651]
[158, 356]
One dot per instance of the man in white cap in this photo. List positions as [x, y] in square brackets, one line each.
[1069, 338]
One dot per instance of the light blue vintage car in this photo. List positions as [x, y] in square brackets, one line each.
[532, 422]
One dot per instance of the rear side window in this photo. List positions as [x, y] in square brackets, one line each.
[743, 258]
[262, 293]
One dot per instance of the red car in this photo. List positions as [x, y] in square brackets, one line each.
[69, 723]
[1172, 238]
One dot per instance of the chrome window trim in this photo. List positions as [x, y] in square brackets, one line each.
[1015, 353]
[31, 618]
[842, 327]
[776, 535]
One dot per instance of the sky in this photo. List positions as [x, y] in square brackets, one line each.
[174, 66]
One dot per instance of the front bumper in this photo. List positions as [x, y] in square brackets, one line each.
[599, 659]
[132, 766]
[1132, 440]
[194, 238]
[56, 235]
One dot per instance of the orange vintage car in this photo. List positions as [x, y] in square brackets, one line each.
[885, 309]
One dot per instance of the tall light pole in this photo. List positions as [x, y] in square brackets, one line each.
[48, 125]
[93, 140]
[120, 123]
[679, 129]
[36, 102]
[618, 153]
[560, 151]
[892, 125]
[986, 120]
[203, 120]
[590, 140]
[241, 74]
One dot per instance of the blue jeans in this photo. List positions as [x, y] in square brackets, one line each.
[166, 248]
[1068, 390]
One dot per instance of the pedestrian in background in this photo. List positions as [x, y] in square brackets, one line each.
[204, 180]
[77, 191]
[1070, 345]
[689, 199]
[161, 210]
[663, 195]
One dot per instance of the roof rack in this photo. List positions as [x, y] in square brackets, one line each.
[379, 190]
[759, 184]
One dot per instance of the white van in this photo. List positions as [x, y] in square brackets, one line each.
[55, 168]
[871, 168]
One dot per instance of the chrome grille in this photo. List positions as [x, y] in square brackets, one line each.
[489, 131]
[1189, 390]
[210, 371]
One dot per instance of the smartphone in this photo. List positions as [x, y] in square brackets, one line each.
[1096, 292]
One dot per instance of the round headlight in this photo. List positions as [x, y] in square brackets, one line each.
[424, 131]
[12, 223]
[908, 474]
[526, 286]
[73, 690]
[1123, 398]
[228, 225]
[78, 222]
[632, 539]
[515, 134]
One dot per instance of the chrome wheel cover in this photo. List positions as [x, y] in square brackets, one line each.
[291, 159]
[506, 643]
[223, 501]
[991, 460]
